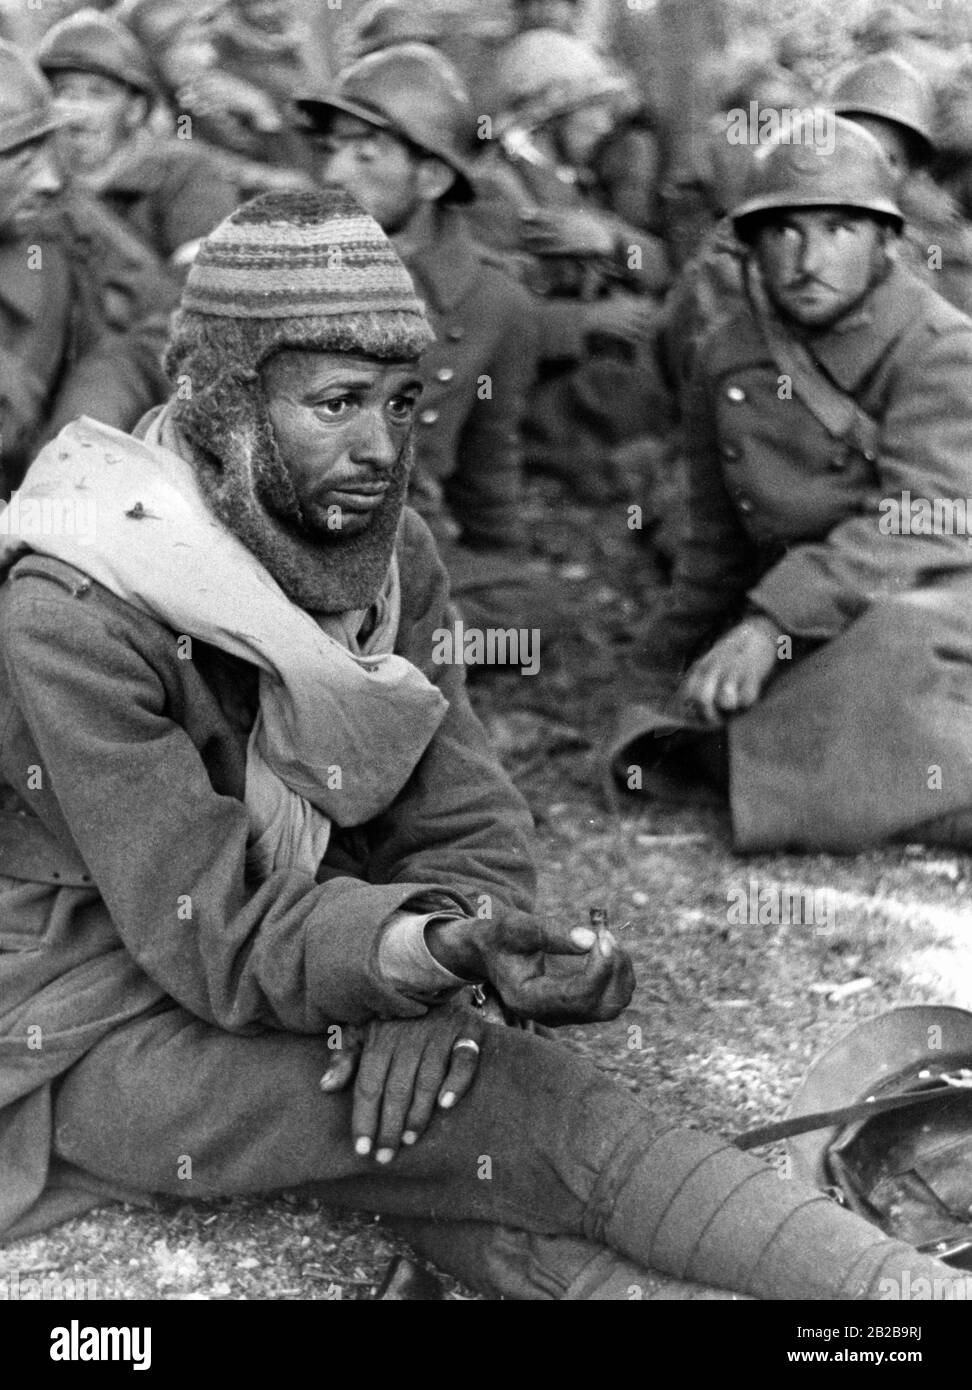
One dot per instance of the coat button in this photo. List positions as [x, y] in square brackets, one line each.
[429, 417]
[444, 374]
[456, 333]
[730, 453]
[745, 505]
[736, 394]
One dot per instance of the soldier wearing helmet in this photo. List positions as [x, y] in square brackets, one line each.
[886, 96]
[169, 192]
[892, 100]
[76, 337]
[804, 630]
[397, 130]
[233, 67]
[551, 186]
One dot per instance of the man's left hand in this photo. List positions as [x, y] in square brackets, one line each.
[730, 676]
[402, 1070]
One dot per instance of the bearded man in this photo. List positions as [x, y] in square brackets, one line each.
[253, 836]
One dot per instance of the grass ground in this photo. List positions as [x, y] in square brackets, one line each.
[727, 1016]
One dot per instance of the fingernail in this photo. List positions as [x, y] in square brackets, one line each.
[583, 936]
[409, 1137]
[448, 1100]
[362, 1146]
[384, 1155]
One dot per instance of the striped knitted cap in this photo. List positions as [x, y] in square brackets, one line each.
[304, 256]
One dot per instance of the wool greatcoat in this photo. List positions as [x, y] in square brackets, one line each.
[864, 732]
[122, 770]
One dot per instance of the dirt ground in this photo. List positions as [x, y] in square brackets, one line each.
[727, 1015]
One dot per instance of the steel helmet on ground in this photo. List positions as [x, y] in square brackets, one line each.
[412, 91]
[910, 1170]
[27, 109]
[846, 168]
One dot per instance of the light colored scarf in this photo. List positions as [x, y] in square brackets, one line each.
[341, 725]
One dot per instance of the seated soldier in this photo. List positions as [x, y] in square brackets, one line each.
[168, 191]
[233, 68]
[818, 614]
[397, 131]
[82, 302]
[544, 203]
[253, 837]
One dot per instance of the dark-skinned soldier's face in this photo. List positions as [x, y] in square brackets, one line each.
[341, 424]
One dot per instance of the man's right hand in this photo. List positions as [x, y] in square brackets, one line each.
[555, 975]
[628, 317]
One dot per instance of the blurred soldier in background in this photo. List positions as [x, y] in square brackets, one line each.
[397, 131]
[82, 303]
[918, 35]
[544, 206]
[169, 192]
[234, 67]
[890, 98]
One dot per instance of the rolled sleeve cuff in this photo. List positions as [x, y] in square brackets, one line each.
[407, 964]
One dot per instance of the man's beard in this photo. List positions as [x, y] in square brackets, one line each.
[246, 484]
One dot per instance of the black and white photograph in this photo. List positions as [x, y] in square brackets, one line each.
[486, 668]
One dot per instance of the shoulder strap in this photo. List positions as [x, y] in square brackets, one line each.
[838, 412]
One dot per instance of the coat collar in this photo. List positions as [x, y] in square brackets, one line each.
[849, 351]
[447, 265]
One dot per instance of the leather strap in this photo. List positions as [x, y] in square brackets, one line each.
[29, 851]
[838, 412]
[846, 1114]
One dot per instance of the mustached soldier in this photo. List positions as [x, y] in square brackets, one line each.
[800, 619]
